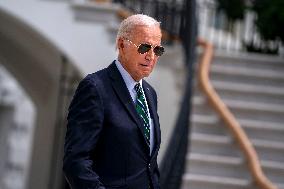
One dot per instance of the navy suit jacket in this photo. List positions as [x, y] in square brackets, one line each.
[104, 146]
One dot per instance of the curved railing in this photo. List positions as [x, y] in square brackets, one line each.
[231, 122]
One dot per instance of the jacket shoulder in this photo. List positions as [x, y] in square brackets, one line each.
[147, 85]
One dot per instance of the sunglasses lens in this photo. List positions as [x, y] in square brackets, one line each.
[159, 50]
[143, 48]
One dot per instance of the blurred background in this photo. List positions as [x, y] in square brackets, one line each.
[48, 46]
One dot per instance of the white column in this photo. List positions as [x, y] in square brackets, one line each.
[238, 36]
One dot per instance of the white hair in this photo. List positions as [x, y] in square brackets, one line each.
[127, 25]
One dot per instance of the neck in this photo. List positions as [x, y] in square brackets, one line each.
[123, 65]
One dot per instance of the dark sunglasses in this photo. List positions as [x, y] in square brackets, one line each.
[144, 47]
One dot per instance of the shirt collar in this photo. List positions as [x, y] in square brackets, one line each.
[129, 81]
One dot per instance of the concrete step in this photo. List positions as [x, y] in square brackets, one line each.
[208, 124]
[247, 92]
[196, 181]
[226, 146]
[267, 62]
[250, 72]
[217, 165]
[234, 167]
[280, 185]
[253, 76]
[254, 129]
[244, 110]
[274, 171]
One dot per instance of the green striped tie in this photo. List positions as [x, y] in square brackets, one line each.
[143, 111]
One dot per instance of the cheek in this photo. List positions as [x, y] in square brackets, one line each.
[155, 62]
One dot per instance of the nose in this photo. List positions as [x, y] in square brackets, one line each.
[150, 55]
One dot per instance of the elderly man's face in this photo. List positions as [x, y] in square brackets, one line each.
[139, 65]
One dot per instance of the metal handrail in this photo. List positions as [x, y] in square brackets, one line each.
[231, 122]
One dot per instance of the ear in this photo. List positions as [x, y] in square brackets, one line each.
[120, 43]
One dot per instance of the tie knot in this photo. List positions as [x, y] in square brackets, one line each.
[138, 89]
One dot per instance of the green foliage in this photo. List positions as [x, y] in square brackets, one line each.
[270, 18]
[234, 9]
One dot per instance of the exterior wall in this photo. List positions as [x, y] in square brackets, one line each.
[32, 44]
[35, 64]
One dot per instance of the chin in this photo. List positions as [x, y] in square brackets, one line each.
[146, 75]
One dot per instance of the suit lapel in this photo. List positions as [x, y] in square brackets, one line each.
[124, 95]
[153, 112]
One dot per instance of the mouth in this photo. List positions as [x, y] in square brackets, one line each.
[144, 65]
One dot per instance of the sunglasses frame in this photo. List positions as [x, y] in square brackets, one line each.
[152, 47]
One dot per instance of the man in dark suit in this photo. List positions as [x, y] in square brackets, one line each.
[113, 132]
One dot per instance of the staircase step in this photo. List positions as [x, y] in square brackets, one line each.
[254, 76]
[247, 105]
[228, 166]
[254, 129]
[274, 171]
[268, 62]
[214, 145]
[206, 124]
[263, 130]
[280, 185]
[195, 181]
[226, 146]
[247, 92]
[250, 72]
[244, 110]
[222, 166]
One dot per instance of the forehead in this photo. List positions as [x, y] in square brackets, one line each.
[150, 34]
